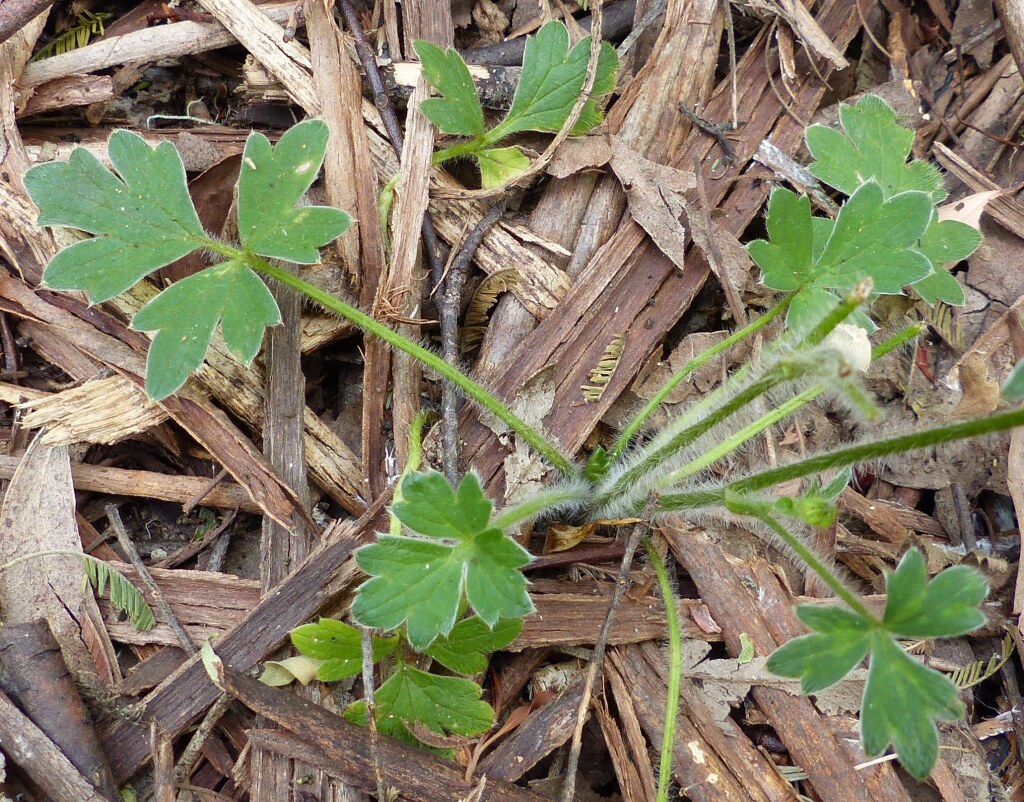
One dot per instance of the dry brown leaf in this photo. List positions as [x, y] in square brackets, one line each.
[654, 192]
[38, 514]
[980, 393]
[702, 618]
[968, 210]
[579, 153]
[562, 537]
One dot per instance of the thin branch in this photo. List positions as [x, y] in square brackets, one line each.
[391, 125]
[572, 764]
[451, 298]
[159, 600]
[366, 642]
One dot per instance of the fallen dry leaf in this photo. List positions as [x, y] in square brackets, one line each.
[968, 210]
[579, 153]
[655, 195]
[980, 393]
[38, 514]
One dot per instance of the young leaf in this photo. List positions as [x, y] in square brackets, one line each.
[901, 701]
[876, 237]
[338, 646]
[442, 704]
[142, 220]
[945, 242]
[500, 165]
[124, 596]
[186, 314]
[458, 111]
[874, 147]
[421, 581]
[1013, 387]
[785, 260]
[271, 183]
[945, 607]
[823, 658]
[464, 650]
[552, 80]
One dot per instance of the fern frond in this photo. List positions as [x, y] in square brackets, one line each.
[941, 318]
[87, 25]
[485, 297]
[602, 374]
[979, 671]
[123, 594]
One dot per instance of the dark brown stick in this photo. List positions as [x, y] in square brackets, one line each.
[16, 14]
[37, 678]
[26, 745]
[421, 776]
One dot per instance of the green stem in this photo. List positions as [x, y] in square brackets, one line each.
[675, 670]
[762, 511]
[458, 151]
[431, 360]
[843, 457]
[541, 502]
[659, 450]
[742, 436]
[701, 359]
[656, 456]
[898, 339]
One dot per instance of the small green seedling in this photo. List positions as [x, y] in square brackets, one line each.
[551, 82]
[447, 581]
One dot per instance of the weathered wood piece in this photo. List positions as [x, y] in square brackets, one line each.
[27, 746]
[418, 775]
[186, 693]
[36, 677]
[148, 484]
[798, 723]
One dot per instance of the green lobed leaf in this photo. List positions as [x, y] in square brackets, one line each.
[338, 646]
[945, 242]
[420, 581]
[872, 146]
[500, 165]
[430, 506]
[464, 650]
[944, 607]
[823, 658]
[786, 258]
[875, 238]
[186, 314]
[446, 705]
[1013, 387]
[458, 110]
[143, 220]
[901, 701]
[552, 80]
[272, 181]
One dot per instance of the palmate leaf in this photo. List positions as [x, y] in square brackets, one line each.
[499, 165]
[446, 705]
[871, 238]
[465, 649]
[902, 697]
[338, 646]
[552, 80]
[186, 314]
[143, 218]
[271, 183]
[872, 146]
[458, 110]
[945, 242]
[420, 581]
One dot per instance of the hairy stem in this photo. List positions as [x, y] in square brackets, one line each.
[675, 670]
[697, 362]
[762, 511]
[844, 457]
[742, 436]
[429, 359]
[539, 503]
